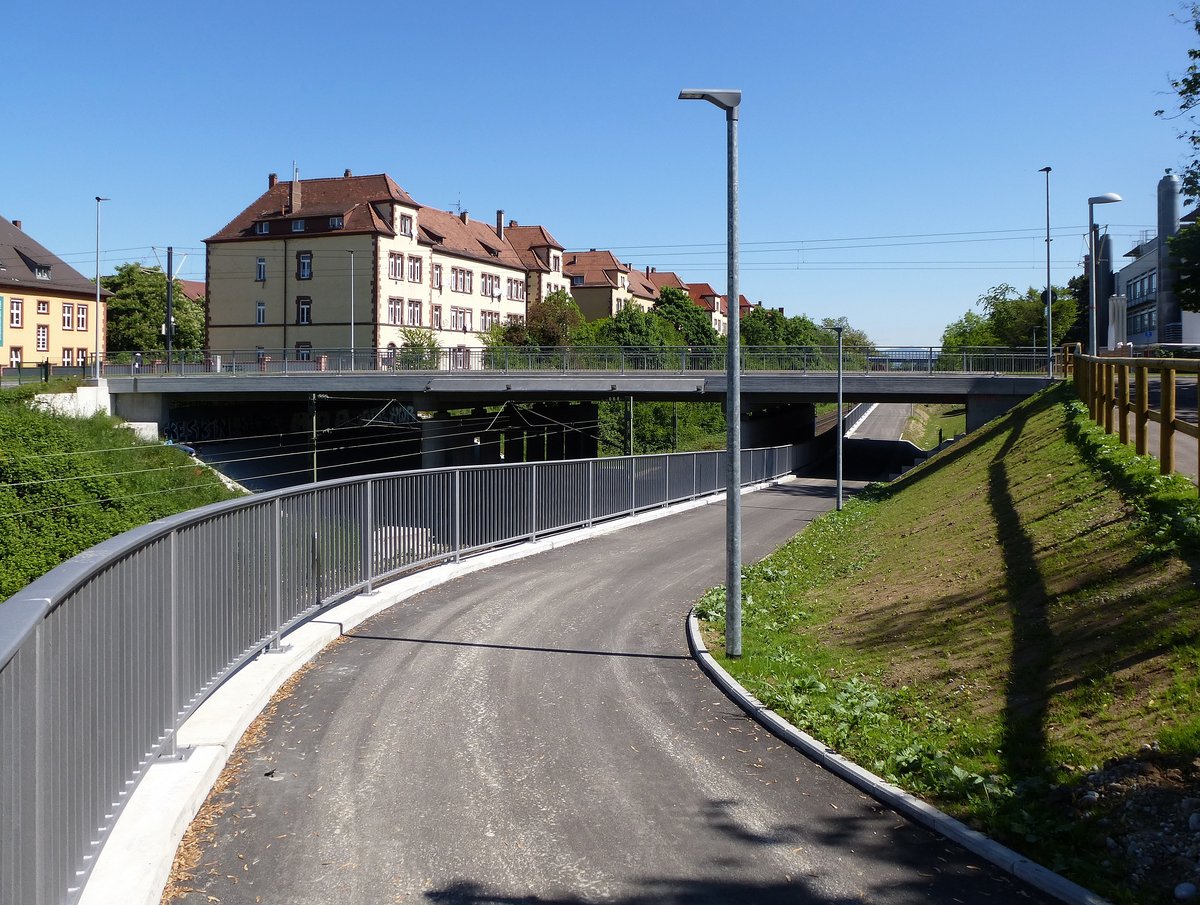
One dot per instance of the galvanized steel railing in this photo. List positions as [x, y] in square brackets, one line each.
[102, 659]
[928, 360]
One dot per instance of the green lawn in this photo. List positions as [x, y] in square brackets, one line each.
[989, 627]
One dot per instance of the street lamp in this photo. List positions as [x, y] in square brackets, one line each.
[1107, 198]
[96, 313]
[729, 100]
[1049, 289]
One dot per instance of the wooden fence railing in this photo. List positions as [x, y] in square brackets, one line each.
[1114, 388]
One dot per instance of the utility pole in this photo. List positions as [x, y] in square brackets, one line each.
[170, 302]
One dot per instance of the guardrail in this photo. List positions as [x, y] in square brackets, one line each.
[1105, 384]
[103, 658]
[929, 360]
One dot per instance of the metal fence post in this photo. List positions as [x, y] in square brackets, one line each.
[368, 536]
[591, 483]
[533, 502]
[457, 514]
[173, 636]
[277, 570]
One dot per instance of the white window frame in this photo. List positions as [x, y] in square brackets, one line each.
[395, 265]
[304, 311]
[43, 307]
[437, 276]
[395, 310]
[406, 225]
[262, 229]
[260, 314]
[304, 265]
[303, 351]
[16, 312]
[68, 356]
[336, 222]
[435, 317]
[298, 225]
[14, 356]
[43, 338]
[413, 314]
[81, 317]
[81, 355]
[415, 269]
[68, 316]
[260, 270]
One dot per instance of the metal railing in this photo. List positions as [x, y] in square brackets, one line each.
[103, 658]
[929, 360]
[1113, 388]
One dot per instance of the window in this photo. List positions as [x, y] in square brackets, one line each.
[577, 281]
[556, 262]
[516, 319]
[260, 313]
[489, 285]
[395, 311]
[41, 272]
[68, 357]
[303, 310]
[460, 279]
[14, 357]
[81, 357]
[43, 338]
[488, 319]
[43, 307]
[260, 270]
[516, 290]
[81, 317]
[395, 266]
[460, 356]
[406, 225]
[437, 276]
[262, 229]
[460, 319]
[414, 269]
[414, 312]
[303, 351]
[15, 310]
[335, 222]
[297, 226]
[435, 317]
[68, 321]
[304, 265]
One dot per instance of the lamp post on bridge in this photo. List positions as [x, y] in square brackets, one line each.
[1106, 198]
[729, 100]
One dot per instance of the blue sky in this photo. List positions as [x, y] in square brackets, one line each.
[889, 151]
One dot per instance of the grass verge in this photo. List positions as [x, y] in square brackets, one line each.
[930, 423]
[991, 628]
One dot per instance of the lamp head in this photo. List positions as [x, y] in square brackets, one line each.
[725, 98]
[1106, 198]
[99, 199]
[1044, 170]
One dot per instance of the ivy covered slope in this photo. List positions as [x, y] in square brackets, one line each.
[998, 631]
[67, 484]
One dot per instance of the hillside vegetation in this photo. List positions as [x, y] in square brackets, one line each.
[1010, 631]
[67, 484]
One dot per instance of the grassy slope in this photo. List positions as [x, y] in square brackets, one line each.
[66, 484]
[931, 423]
[986, 628]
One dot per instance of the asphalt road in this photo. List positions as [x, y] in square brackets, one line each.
[886, 422]
[538, 733]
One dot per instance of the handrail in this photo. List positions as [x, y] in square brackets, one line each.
[928, 360]
[1103, 383]
[104, 657]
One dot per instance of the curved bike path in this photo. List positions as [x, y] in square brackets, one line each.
[537, 732]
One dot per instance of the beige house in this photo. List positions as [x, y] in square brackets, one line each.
[602, 285]
[322, 265]
[47, 308]
[543, 259]
[714, 304]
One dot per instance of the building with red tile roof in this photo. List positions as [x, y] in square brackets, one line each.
[542, 256]
[602, 285]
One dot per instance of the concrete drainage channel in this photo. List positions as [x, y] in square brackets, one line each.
[884, 792]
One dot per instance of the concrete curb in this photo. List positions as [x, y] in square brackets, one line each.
[884, 792]
[135, 863]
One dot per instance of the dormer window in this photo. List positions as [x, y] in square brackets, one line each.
[41, 272]
[297, 226]
[555, 263]
[576, 281]
[406, 225]
[335, 222]
[262, 228]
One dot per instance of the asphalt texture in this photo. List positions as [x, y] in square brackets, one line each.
[537, 732]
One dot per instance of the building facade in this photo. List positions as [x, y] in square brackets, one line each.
[48, 309]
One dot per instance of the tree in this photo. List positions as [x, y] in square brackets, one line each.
[852, 338]
[689, 319]
[550, 321]
[969, 330]
[1187, 87]
[1185, 258]
[137, 311]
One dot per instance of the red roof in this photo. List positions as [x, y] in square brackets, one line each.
[533, 245]
[708, 298]
[473, 239]
[363, 203]
[598, 268]
[193, 289]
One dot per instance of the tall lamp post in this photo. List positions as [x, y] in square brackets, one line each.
[729, 100]
[841, 425]
[1049, 288]
[96, 313]
[1106, 198]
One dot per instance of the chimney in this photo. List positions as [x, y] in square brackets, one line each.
[465, 217]
[272, 178]
[648, 270]
[500, 224]
[512, 223]
[294, 198]
[17, 224]
[347, 174]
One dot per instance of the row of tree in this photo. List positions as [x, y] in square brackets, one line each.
[1011, 318]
